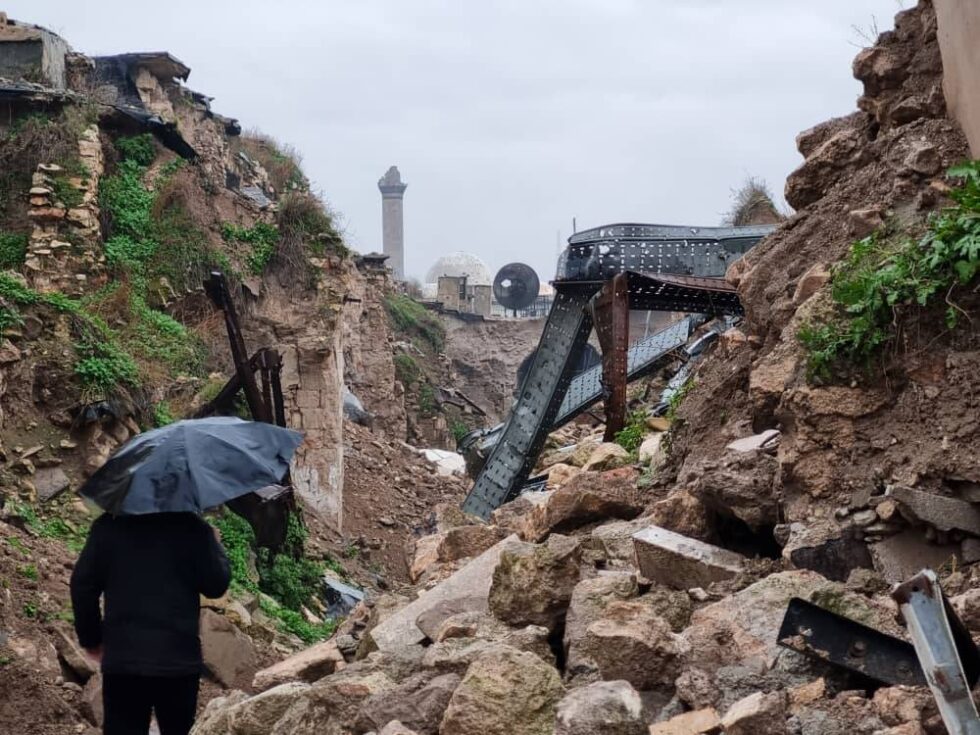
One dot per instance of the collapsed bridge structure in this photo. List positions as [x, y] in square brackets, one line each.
[603, 274]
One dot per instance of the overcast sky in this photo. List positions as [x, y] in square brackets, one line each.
[508, 117]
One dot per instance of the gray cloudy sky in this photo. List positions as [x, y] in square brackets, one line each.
[507, 117]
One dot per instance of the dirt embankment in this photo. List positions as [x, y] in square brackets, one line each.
[485, 356]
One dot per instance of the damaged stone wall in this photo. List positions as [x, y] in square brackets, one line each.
[65, 249]
[841, 446]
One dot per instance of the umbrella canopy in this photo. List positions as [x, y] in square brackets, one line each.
[192, 465]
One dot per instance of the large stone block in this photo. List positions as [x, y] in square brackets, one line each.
[308, 665]
[601, 708]
[682, 562]
[228, 653]
[472, 582]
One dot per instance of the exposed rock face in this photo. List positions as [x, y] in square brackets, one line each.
[602, 708]
[533, 585]
[504, 692]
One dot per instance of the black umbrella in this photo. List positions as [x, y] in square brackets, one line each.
[192, 465]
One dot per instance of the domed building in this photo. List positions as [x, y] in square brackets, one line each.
[457, 265]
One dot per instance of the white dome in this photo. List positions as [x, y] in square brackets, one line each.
[460, 264]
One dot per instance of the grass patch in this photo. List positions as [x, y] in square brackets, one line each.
[410, 318]
[281, 162]
[289, 578]
[28, 571]
[70, 534]
[890, 276]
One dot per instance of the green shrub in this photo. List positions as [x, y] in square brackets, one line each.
[630, 437]
[140, 149]
[409, 317]
[162, 415]
[262, 238]
[65, 192]
[288, 577]
[28, 571]
[13, 250]
[427, 400]
[458, 429]
[407, 370]
[890, 274]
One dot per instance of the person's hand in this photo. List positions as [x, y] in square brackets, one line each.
[95, 654]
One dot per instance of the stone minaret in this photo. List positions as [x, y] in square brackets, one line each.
[392, 230]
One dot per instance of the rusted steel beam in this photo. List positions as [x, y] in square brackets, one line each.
[216, 288]
[612, 320]
[278, 403]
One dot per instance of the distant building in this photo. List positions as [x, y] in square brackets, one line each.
[392, 220]
[460, 264]
[455, 293]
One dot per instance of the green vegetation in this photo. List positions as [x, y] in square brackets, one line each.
[65, 191]
[139, 149]
[458, 429]
[891, 276]
[407, 369]
[410, 318]
[103, 366]
[55, 527]
[674, 402]
[154, 247]
[630, 437]
[303, 219]
[287, 577]
[28, 571]
[427, 400]
[30, 609]
[281, 162]
[13, 249]
[162, 414]
[262, 238]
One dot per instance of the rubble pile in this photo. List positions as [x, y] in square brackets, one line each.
[644, 593]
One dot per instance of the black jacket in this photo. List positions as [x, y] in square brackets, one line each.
[152, 570]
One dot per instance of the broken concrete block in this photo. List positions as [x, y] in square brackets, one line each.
[308, 665]
[472, 581]
[697, 722]
[681, 562]
[766, 440]
[900, 556]
[943, 512]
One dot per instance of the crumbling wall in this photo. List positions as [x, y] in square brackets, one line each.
[841, 444]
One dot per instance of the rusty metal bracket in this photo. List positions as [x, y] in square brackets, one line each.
[611, 314]
[811, 630]
[925, 610]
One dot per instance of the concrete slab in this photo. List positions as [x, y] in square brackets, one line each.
[941, 511]
[682, 562]
[907, 553]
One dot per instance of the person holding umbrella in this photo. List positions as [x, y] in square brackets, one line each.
[151, 556]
